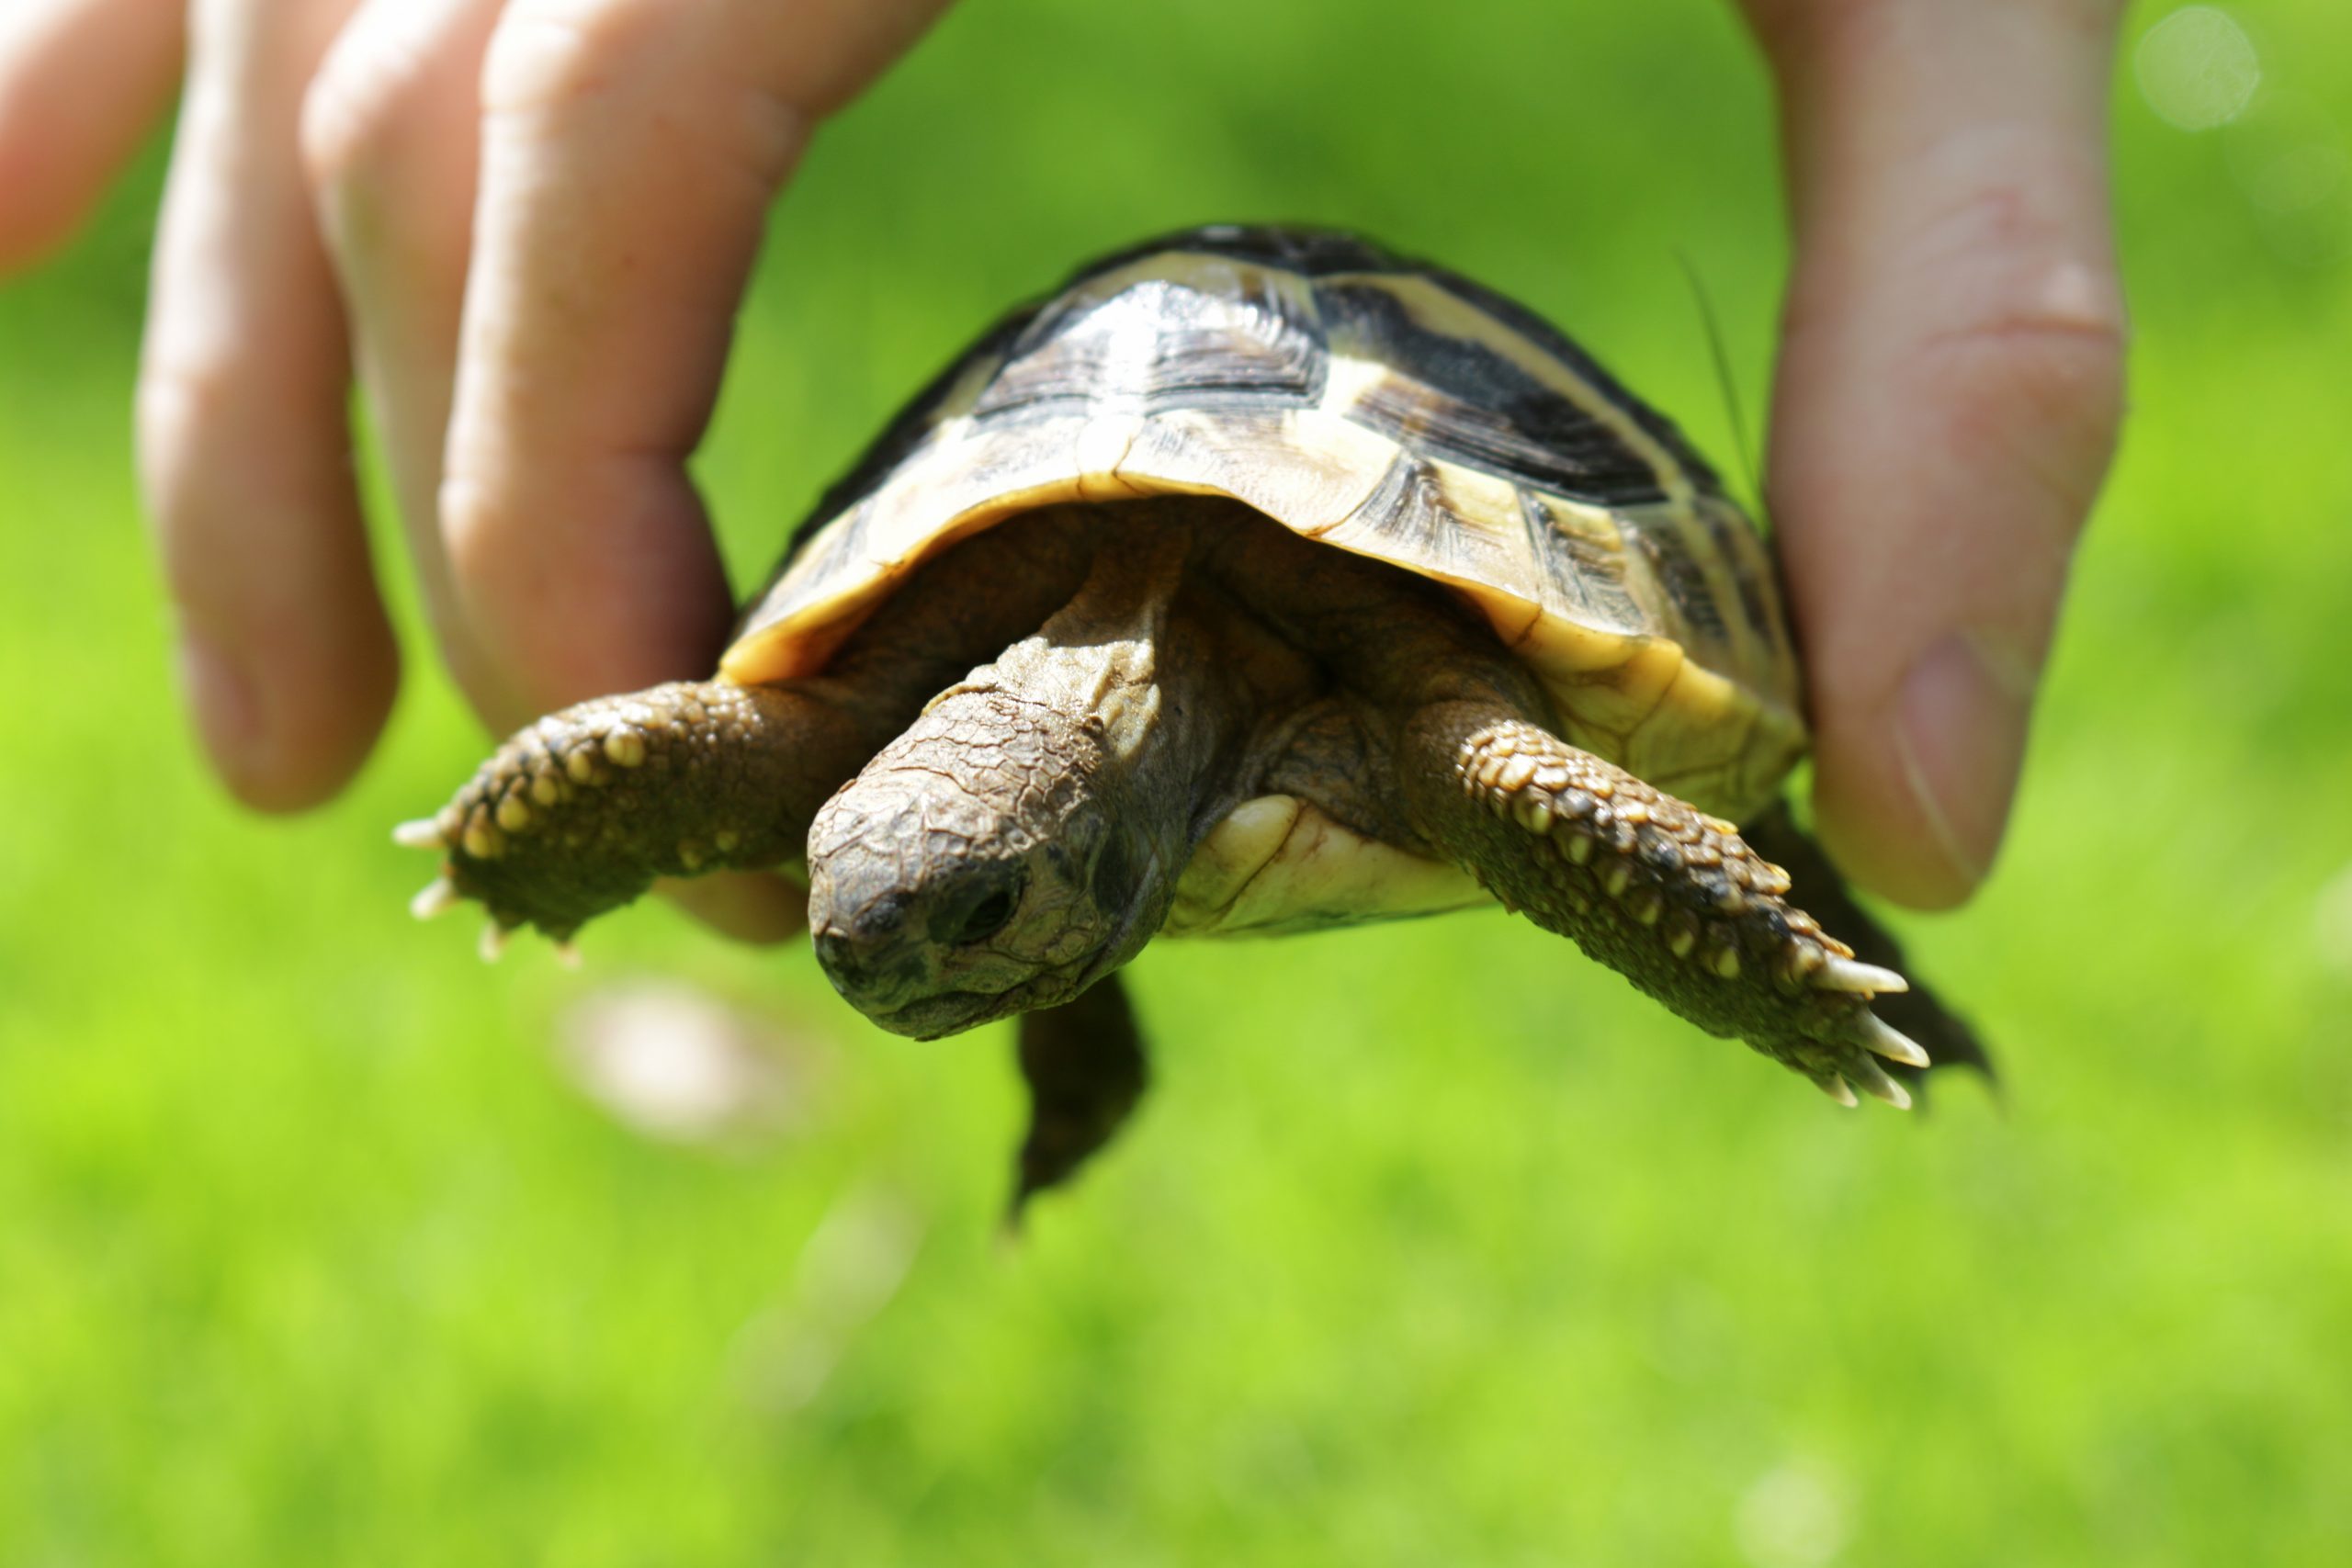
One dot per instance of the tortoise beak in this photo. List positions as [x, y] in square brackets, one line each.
[885, 965]
[873, 960]
[948, 1012]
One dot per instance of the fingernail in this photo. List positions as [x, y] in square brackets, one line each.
[1960, 730]
[225, 704]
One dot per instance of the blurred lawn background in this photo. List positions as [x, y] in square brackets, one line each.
[1435, 1245]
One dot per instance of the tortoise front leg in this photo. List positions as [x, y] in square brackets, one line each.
[1084, 1064]
[1667, 896]
[579, 812]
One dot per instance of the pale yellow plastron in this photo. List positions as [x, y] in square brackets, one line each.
[1276, 865]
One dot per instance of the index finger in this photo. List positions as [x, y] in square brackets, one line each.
[630, 148]
[630, 151]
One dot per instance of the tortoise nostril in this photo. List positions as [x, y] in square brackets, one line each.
[848, 962]
[837, 952]
[869, 972]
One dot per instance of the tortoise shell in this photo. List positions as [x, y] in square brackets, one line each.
[1377, 404]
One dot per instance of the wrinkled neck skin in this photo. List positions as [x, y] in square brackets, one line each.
[1023, 838]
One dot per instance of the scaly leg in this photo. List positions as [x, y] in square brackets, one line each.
[1670, 898]
[579, 812]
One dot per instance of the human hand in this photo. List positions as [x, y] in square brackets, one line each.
[1950, 386]
[528, 223]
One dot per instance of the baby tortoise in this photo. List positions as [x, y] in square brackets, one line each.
[1259, 580]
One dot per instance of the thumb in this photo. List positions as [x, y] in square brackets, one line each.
[1948, 391]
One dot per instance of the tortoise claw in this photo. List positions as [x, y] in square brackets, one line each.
[424, 833]
[1887, 1041]
[1838, 974]
[1874, 1081]
[437, 897]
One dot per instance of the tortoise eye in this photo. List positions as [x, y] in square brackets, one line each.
[988, 917]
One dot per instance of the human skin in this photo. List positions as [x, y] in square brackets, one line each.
[443, 198]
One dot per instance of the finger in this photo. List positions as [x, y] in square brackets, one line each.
[1947, 401]
[81, 84]
[632, 148]
[287, 659]
[391, 138]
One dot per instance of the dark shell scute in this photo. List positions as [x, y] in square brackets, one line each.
[1565, 349]
[1408, 510]
[1725, 528]
[1684, 579]
[1461, 402]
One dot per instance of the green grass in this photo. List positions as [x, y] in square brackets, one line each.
[1434, 1245]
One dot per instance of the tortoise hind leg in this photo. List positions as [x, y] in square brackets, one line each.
[1917, 1012]
[1084, 1064]
[1670, 898]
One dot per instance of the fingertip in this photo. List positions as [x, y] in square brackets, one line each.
[1887, 848]
[287, 733]
[286, 660]
[602, 579]
[1914, 806]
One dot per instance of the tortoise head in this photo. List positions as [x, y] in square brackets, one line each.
[991, 861]
[1023, 839]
